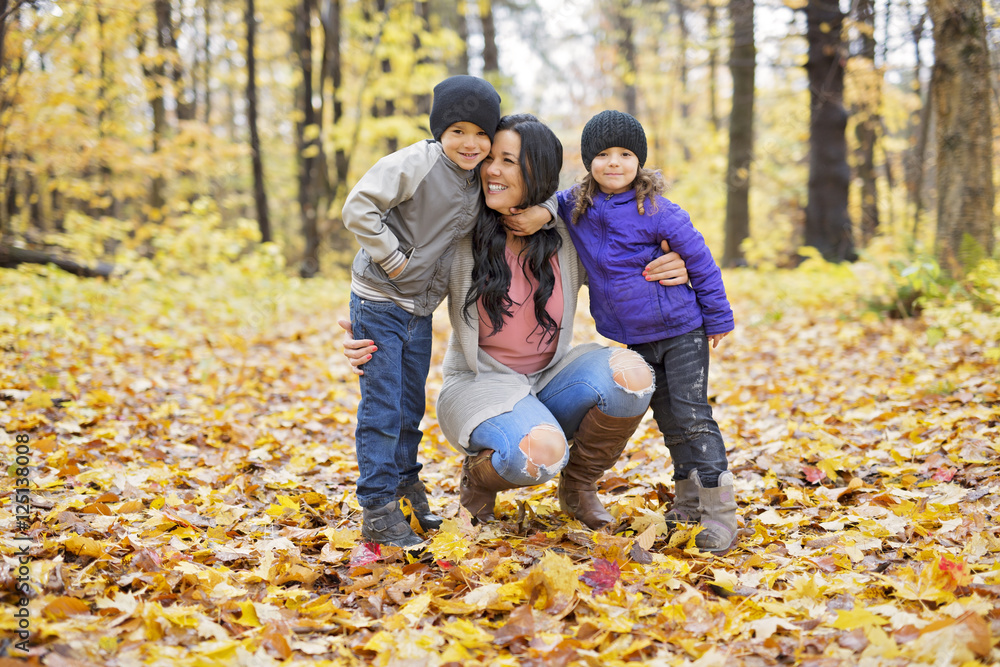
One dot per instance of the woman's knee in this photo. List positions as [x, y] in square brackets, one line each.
[544, 449]
[631, 372]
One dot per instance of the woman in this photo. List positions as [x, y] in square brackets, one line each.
[515, 392]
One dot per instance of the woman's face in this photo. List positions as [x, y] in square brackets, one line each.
[500, 173]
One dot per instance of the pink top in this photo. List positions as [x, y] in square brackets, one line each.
[520, 344]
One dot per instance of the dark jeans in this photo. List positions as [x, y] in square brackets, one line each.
[680, 405]
[392, 398]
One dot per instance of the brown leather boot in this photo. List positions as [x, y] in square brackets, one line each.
[480, 484]
[596, 446]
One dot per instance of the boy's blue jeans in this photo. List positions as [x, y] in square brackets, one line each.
[585, 383]
[680, 405]
[392, 398]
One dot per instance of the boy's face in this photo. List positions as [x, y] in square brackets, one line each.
[466, 144]
[614, 169]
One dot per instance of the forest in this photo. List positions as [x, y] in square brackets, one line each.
[178, 418]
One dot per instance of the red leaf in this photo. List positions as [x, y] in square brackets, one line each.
[365, 554]
[603, 577]
[943, 474]
[814, 475]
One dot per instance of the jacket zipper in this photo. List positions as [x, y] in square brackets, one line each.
[605, 232]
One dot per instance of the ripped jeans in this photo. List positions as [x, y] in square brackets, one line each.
[554, 414]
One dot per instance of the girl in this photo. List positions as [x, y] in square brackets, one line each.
[618, 220]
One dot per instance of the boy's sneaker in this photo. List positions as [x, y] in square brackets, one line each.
[416, 493]
[387, 525]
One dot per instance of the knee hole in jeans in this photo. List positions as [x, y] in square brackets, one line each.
[631, 372]
[544, 446]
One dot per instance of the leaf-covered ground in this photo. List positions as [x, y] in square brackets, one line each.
[192, 475]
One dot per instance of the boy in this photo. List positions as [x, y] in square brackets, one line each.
[407, 213]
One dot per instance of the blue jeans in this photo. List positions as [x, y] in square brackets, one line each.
[585, 383]
[392, 398]
[680, 405]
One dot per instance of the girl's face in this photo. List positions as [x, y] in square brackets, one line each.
[614, 169]
[500, 173]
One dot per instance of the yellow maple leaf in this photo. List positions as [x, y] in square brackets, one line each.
[857, 618]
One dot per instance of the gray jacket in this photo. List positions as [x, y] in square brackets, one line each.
[476, 386]
[412, 205]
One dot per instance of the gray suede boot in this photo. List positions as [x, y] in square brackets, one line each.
[416, 493]
[387, 525]
[686, 507]
[718, 515]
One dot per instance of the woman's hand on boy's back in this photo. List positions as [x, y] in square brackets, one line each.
[358, 352]
[668, 269]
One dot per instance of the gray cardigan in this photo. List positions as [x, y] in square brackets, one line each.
[476, 386]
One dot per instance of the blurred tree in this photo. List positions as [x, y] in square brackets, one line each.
[742, 64]
[919, 123]
[259, 190]
[309, 140]
[868, 118]
[828, 225]
[491, 55]
[962, 100]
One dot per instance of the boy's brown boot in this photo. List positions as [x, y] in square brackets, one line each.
[480, 484]
[686, 507]
[596, 446]
[718, 515]
[416, 493]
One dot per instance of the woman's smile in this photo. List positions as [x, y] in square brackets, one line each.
[503, 183]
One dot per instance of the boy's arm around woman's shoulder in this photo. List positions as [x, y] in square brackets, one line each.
[391, 181]
[674, 224]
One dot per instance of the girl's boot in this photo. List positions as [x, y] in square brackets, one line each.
[596, 446]
[718, 515]
[416, 493]
[686, 507]
[480, 484]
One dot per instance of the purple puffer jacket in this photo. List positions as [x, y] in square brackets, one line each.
[615, 243]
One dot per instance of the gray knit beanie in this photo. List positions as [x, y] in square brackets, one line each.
[609, 129]
[465, 98]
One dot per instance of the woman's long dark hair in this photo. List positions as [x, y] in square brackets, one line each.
[540, 161]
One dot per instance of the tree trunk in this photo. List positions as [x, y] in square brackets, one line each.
[260, 195]
[386, 107]
[167, 41]
[422, 11]
[623, 24]
[742, 64]
[868, 122]
[461, 64]
[918, 124]
[828, 224]
[491, 56]
[920, 157]
[206, 7]
[334, 69]
[154, 76]
[682, 26]
[102, 113]
[713, 65]
[962, 100]
[309, 142]
[11, 256]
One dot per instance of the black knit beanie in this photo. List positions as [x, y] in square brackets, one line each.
[609, 129]
[465, 98]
